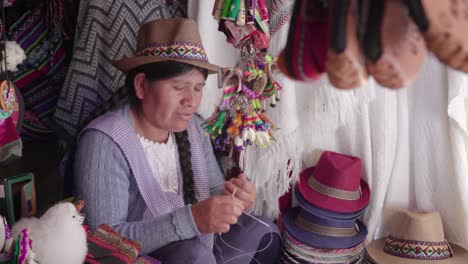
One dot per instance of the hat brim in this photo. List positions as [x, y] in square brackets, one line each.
[330, 203]
[323, 213]
[127, 63]
[321, 252]
[321, 241]
[375, 251]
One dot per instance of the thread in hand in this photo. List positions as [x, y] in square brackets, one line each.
[244, 253]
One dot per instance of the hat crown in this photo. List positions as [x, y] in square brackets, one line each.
[162, 31]
[425, 227]
[338, 171]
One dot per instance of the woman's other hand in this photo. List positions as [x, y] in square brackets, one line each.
[244, 190]
[217, 213]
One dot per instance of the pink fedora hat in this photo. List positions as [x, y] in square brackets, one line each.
[335, 184]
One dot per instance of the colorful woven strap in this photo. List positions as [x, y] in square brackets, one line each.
[332, 192]
[7, 230]
[24, 244]
[413, 249]
[325, 230]
[176, 50]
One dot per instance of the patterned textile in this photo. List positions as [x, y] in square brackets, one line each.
[23, 248]
[280, 14]
[176, 50]
[40, 76]
[412, 249]
[158, 202]
[7, 3]
[7, 99]
[106, 31]
[10, 141]
[147, 260]
[107, 246]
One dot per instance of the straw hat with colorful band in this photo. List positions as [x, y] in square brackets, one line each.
[414, 249]
[168, 40]
[323, 213]
[335, 184]
[323, 233]
[416, 238]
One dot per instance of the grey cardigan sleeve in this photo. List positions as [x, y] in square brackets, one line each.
[102, 179]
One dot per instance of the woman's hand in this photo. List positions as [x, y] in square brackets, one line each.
[217, 213]
[244, 190]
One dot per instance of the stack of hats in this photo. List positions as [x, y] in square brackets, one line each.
[324, 228]
[415, 238]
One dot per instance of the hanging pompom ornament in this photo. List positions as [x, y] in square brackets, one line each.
[239, 143]
[238, 120]
[233, 130]
[250, 87]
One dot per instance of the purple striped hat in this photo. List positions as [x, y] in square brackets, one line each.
[324, 213]
[320, 232]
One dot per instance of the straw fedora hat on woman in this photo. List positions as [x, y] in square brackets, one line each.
[168, 40]
[415, 238]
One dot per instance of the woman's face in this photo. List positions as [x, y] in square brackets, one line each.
[170, 104]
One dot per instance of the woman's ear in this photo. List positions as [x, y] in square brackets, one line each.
[139, 84]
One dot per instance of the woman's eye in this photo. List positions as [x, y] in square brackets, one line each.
[199, 88]
[179, 88]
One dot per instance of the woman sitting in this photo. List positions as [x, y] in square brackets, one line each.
[148, 170]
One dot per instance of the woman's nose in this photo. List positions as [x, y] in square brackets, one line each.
[189, 97]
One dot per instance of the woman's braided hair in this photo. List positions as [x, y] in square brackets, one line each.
[185, 159]
[153, 72]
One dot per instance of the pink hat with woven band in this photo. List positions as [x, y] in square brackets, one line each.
[335, 183]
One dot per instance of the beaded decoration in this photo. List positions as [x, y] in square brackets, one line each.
[239, 120]
[7, 99]
[243, 21]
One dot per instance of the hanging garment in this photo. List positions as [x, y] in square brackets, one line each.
[106, 31]
[11, 145]
[40, 76]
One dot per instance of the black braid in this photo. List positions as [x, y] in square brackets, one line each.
[185, 159]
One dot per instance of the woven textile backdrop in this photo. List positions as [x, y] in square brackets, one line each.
[106, 30]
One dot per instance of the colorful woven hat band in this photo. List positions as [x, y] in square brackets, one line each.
[333, 192]
[412, 249]
[176, 50]
[325, 230]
